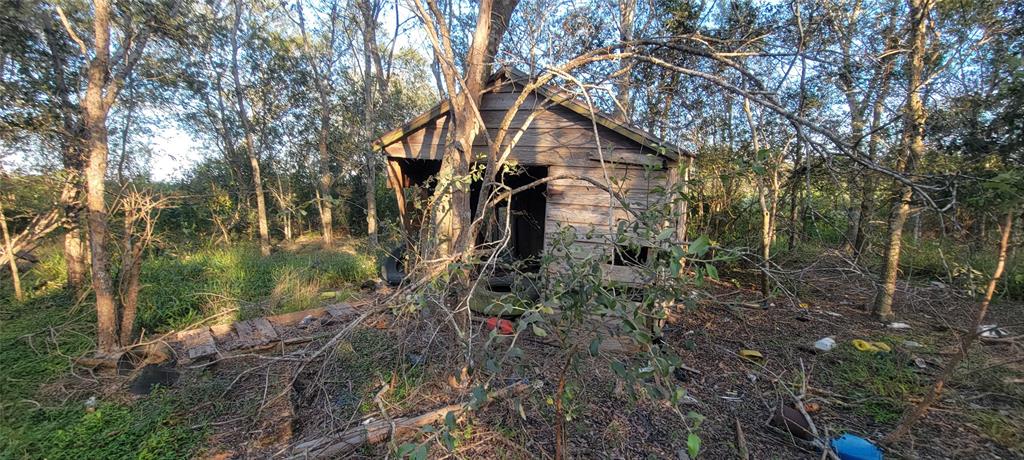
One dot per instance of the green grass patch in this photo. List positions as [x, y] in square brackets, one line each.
[38, 340]
[42, 335]
[1002, 429]
[178, 290]
[878, 383]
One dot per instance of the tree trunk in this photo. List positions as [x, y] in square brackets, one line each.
[966, 341]
[897, 219]
[767, 208]
[74, 245]
[326, 182]
[623, 82]
[913, 125]
[250, 145]
[95, 121]
[73, 162]
[452, 214]
[13, 260]
[369, 44]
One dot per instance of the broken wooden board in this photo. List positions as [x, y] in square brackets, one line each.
[198, 343]
[295, 317]
[341, 311]
[224, 335]
[254, 332]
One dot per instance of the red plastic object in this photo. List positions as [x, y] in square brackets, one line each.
[503, 326]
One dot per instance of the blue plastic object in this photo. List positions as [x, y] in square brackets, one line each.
[850, 447]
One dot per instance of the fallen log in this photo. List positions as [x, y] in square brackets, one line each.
[379, 431]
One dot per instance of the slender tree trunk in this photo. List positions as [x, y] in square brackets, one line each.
[74, 244]
[914, 119]
[373, 76]
[12, 258]
[623, 82]
[250, 145]
[767, 208]
[95, 121]
[912, 416]
[326, 182]
[73, 162]
[369, 41]
[452, 213]
[322, 79]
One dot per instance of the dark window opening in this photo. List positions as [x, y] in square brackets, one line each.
[626, 256]
[523, 214]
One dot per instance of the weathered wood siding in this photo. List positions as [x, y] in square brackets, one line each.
[555, 136]
[591, 215]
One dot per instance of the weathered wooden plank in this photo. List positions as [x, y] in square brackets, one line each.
[198, 343]
[255, 332]
[560, 193]
[534, 136]
[585, 214]
[224, 334]
[628, 157]
[341, 311]
[614, 273]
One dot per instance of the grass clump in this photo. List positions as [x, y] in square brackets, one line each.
[1000, 428]
[879, 383]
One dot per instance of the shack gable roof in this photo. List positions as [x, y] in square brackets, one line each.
[549, 92]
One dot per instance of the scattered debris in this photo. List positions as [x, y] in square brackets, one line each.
[416, 359]
[920, 363]
[307, 321]
[870, 347]
[899, 325]
[825, 344]
[741, 441]
[377, 431]
[812, 407]
[912, 344]
[503, 326]
[992, 331]
[751, 355]
[791, 421]
[851, 447]
[91, 403]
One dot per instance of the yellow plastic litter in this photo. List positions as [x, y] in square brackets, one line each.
[751, 355]
[870, 347]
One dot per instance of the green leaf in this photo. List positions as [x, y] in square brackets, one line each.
[420, 453]
[619, 369]
[699, 246]
[693, 445]
[539, 332]
[666, 234]
[595, 346]
[712, 271]
[449, 420]
[406, 449]
[448, 441]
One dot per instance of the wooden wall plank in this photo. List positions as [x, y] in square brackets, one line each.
[561, 193]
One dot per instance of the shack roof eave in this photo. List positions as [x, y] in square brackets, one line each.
[567, 100]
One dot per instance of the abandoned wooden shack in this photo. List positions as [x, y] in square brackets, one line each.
[562, 136]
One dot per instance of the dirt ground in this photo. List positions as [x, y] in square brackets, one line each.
[269, 400]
